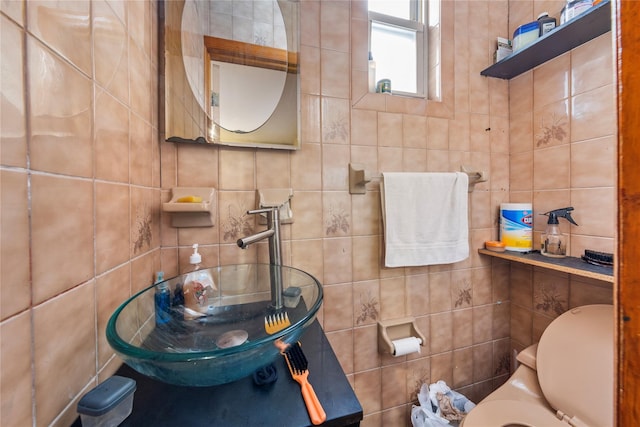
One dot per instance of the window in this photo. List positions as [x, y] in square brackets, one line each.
[397, 43]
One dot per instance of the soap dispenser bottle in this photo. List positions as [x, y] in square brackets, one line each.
[198, 288]
[553, 243]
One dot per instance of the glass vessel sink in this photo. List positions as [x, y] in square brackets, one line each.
[226, 340]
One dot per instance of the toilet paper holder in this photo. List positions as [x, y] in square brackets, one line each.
[389, 330]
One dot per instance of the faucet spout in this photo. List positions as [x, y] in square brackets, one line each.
[275, 251]
[246, 241]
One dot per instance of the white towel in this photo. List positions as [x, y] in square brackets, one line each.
[424, 216]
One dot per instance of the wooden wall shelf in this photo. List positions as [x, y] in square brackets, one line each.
[569, 265]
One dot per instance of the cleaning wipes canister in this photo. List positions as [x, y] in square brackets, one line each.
[516, 226]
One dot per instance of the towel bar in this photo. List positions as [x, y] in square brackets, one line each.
[358, 178]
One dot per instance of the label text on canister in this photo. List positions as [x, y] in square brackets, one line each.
[516, 227]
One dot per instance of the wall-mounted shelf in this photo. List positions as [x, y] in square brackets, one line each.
[569, 265]
[584, 27]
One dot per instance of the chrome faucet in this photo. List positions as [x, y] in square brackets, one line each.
[275, 251]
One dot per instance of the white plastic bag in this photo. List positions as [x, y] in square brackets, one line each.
[424, 415]
[421, 417]
[429, 413]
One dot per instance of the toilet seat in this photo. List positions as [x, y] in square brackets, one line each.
[512, 413]
[574, 373]
[575, 364]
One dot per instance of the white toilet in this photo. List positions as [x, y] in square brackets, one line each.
[564, 380]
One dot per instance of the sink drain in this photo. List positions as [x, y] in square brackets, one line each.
[232, 338]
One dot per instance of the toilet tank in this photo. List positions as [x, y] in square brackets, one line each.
[575, 364]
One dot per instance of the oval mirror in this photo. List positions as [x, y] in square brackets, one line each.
[238, 61]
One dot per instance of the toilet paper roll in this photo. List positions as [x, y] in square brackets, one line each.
[405, 346]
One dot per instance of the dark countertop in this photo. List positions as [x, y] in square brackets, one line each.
[243, 403]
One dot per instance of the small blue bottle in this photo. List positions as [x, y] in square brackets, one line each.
[162, 300]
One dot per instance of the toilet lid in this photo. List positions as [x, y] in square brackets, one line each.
[502, 413]
[575, 364]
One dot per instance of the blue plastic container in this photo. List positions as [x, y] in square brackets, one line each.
[525, 35]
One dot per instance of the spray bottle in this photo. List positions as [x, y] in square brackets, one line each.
[553, 243]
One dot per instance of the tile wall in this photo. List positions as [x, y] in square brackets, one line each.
[81, 192]
[80, 189]
[463, 308]
[562, 153]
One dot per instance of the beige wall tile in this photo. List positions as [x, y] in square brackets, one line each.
[112, 222]
[310, 61]
[462, 367]
[110, 48]
[338, 311]
[112, 289]
[60, 105]
[14, 10]
[13, 130]
[335, 121]
[368, 388]
[593, 114]
[306, 165]
[394, 385]
[237, 169]
[417, 287]
[593, 163]
[111, 139]
[306, 255]
[392, 298]
[334, 25]
[62, 216]
[501, 327]
[198, 167]
[139, 79]
[597, 211]
[482, 324]
[310, 128]
[15, 371]
[442, 367]
[335, 66]
[364, 127]
[591, 65]
[342, 342]
[585, 291]
[366, 257]
[272, 170]
[551, 168]
[462, 328]
[550, 292]
[335, 168]
[521, 171]
[63, 361]
[440, 292]
[441, 332]
[15, 280]
[66, 28]
[140, 151]
[365, 342]
[551, 125]
[551, 81]
[307, 211]
[414, 131]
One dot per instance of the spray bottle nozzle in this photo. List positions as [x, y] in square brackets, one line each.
[562, 213]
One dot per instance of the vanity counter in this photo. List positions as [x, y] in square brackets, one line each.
[243, 403]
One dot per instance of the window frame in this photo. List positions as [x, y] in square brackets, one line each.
[418, 24]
